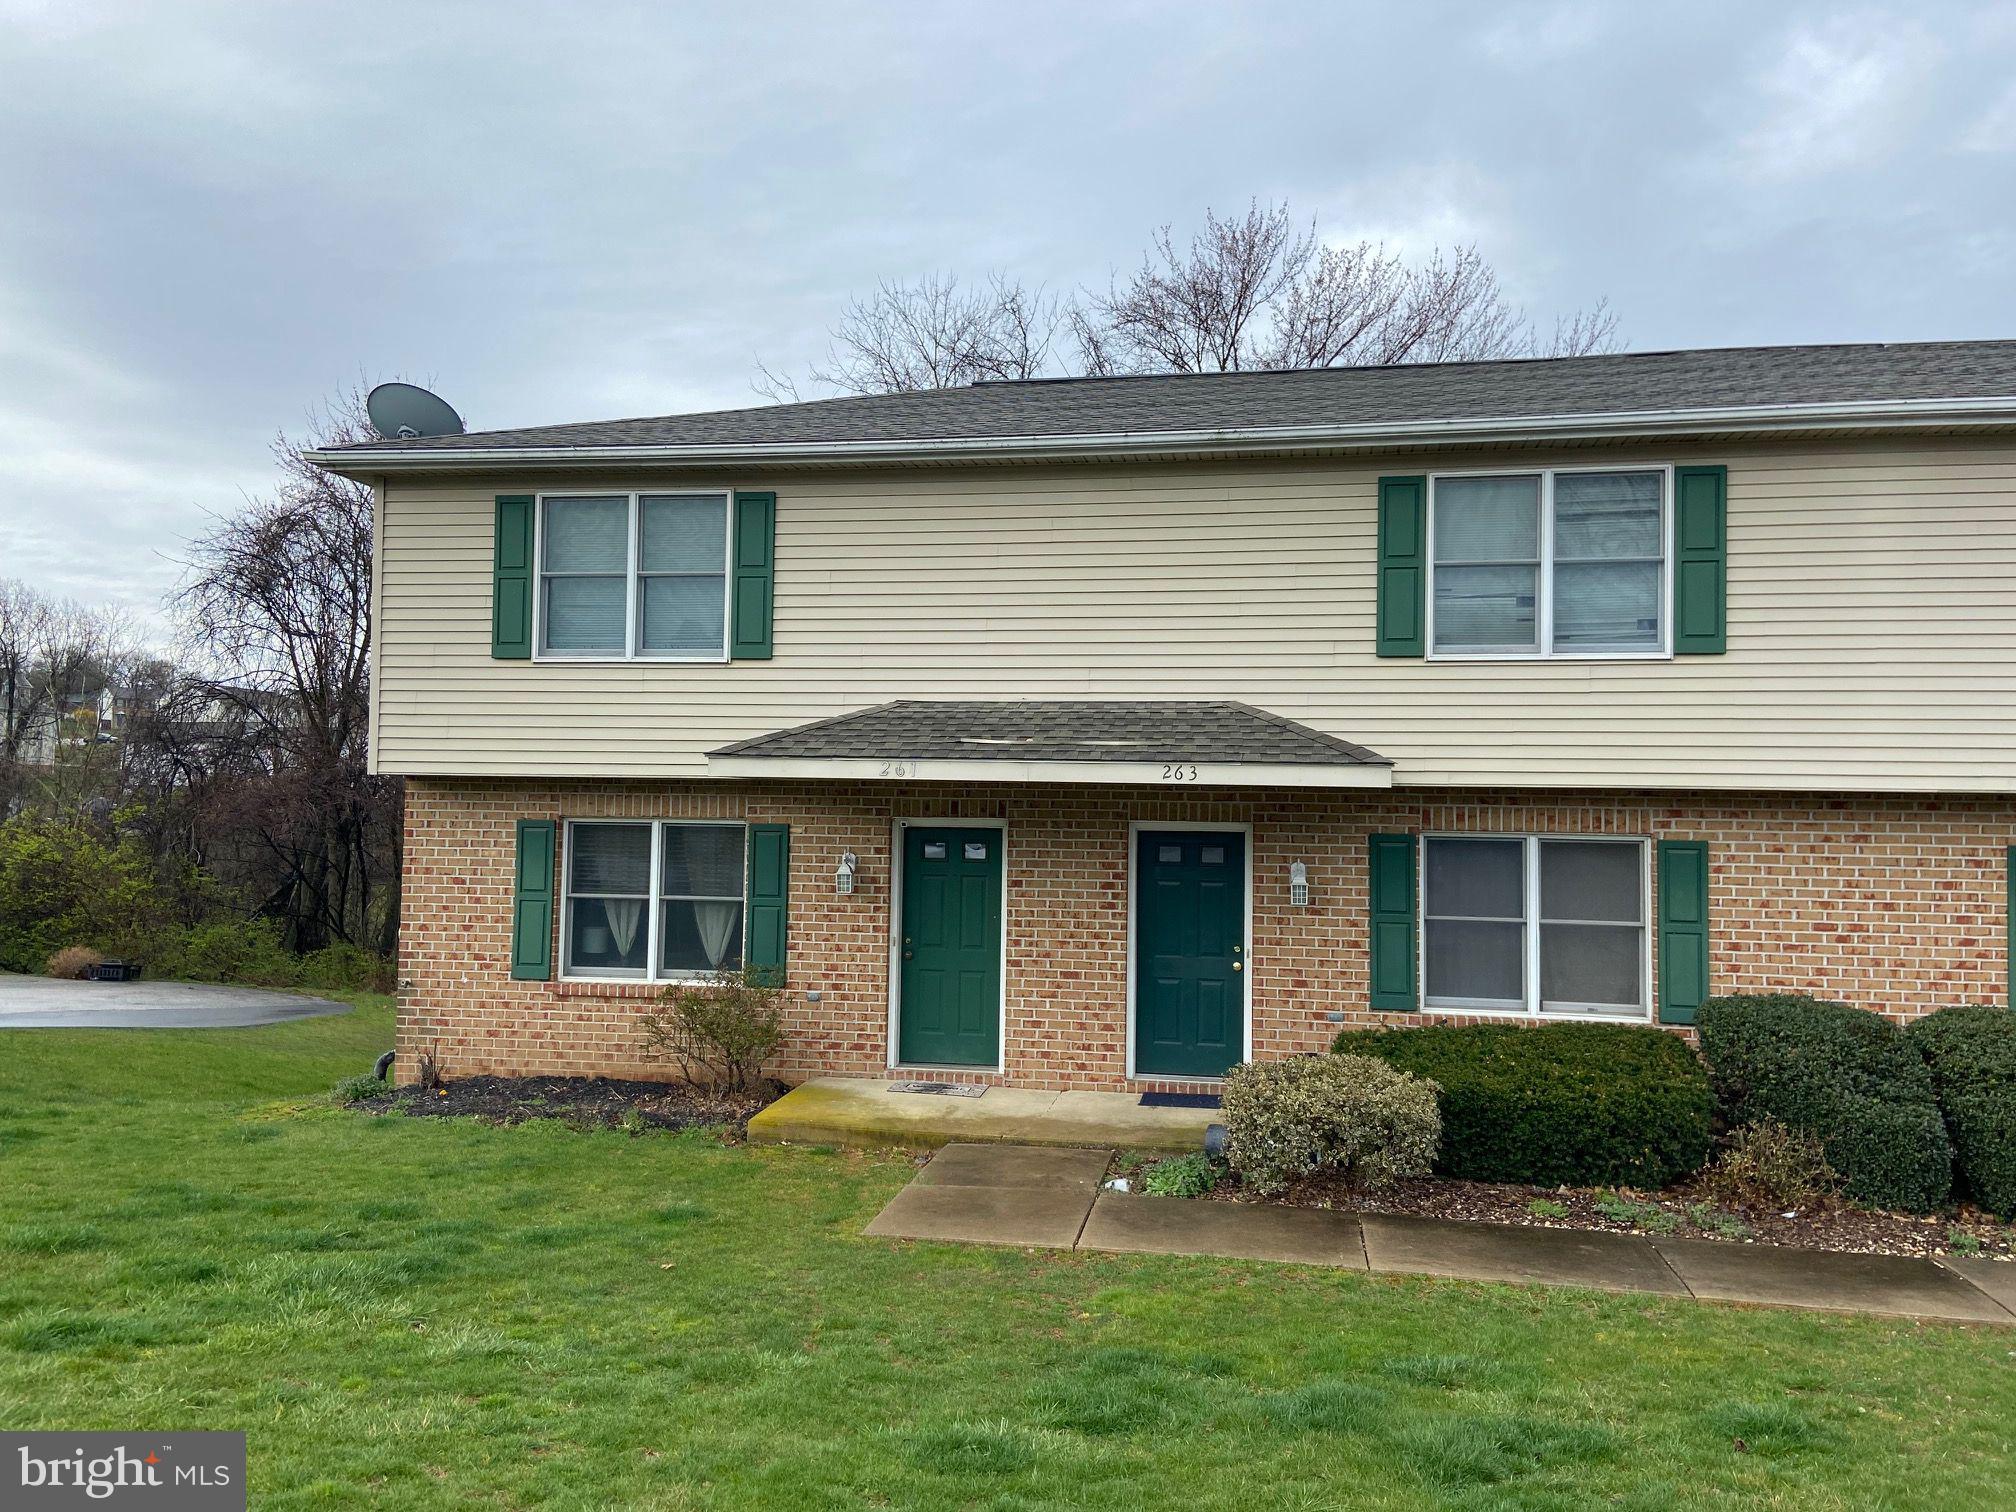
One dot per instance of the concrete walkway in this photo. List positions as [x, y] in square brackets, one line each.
[1052, 1198]
[868, 1112]
[28, 1002]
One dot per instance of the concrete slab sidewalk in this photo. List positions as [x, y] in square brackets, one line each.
[863, 1111]
[1526, 1256]
[1052, 1198]
[1128, 1223]
[1821, 1279]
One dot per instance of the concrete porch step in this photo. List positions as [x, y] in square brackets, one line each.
[865, 1112]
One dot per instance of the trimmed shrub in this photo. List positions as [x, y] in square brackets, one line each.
[1346, 1115]
[1842, 1074]
[72, 962]
[1765, 1164]
[1557, 1104]
[1971, 1053]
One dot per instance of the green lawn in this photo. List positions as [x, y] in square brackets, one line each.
[421, 1313]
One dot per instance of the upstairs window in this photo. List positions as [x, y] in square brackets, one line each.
[1562, 562]
[634, 575]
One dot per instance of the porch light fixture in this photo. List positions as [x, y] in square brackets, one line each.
[843, 878]
[1298, 884]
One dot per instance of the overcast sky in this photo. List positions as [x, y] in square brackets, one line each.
[212, 215]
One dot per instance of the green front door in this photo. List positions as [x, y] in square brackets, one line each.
[1189, 952]
[949, 1007]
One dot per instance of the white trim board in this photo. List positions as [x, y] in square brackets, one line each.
[1135, 828]
[1172, 775]
[893, 1032]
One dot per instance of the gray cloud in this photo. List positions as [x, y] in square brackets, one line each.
[217, 214]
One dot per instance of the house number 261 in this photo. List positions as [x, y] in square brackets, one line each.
[1178, 772]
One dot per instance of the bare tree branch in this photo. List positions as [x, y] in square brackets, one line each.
[1256, 290]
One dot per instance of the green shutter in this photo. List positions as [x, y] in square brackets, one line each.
[1403, 564]
[1701, 560]
[1392, 891]
[769, 900]
[511, 579]
[1683, 929]
[532, 903]
[2009, 903]
[754, 570]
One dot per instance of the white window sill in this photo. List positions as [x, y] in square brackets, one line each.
[1526, 1015]
[667, 979]
[1556, 656]
[592, 659]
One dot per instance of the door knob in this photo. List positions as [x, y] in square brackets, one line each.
[1238, 965]
[906, 955]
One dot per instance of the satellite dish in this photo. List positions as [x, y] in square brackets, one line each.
[401, 411]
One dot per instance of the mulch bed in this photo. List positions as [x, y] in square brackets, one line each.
[1825, 1225]
[586, 1102]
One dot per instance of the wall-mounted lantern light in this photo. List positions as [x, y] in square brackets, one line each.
[1298, 884]
[843, 879]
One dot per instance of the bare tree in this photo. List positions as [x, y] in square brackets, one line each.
[931, 334]
[1261, 291]
[51, 650]
[276, 615]
[1258, 290]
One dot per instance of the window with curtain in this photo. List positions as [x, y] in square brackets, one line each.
[1540, 925]
[1554, 563]
[653, 900]
[700, 897]
[634, 575]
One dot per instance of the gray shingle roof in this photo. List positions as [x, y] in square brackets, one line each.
[1534, 388]
[1074, 730]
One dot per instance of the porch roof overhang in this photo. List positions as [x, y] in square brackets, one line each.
[1102, 742]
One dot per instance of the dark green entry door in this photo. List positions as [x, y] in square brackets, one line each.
[949, 1011]
[1189, 952]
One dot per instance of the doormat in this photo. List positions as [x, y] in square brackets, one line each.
[1179, 1100]
[939, 1089]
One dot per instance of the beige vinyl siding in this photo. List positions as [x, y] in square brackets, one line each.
[1872, 624]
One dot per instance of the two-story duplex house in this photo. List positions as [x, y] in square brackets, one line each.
[1105, 732]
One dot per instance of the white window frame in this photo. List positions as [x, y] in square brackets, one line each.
[1544, 607]
[1602, 1013]
[653, 899]
[633, 575]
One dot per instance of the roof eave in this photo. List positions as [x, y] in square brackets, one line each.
[1020, 771]
[1902, 414]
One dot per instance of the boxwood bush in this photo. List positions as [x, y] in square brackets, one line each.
[1343, 1115]
[1971, 1053]
[1844, 1074]
[1557, 1104]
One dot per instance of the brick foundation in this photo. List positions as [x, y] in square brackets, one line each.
[1897, 904]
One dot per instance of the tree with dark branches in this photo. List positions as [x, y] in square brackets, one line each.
[1258, 290]
[275, 612]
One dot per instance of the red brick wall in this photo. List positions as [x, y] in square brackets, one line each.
[1896, 904]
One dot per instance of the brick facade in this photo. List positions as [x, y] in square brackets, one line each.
[1894, 903]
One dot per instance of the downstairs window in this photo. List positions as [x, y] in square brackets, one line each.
[1542, 925]
[653, 901]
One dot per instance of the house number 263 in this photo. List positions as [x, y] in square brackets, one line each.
[1179, 772]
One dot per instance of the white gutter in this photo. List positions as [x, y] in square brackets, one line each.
[1177, 776]
[1886, 414]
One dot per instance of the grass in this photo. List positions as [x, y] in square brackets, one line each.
[431, 1313]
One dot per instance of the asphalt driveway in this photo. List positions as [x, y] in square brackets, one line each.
[28, 1002]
